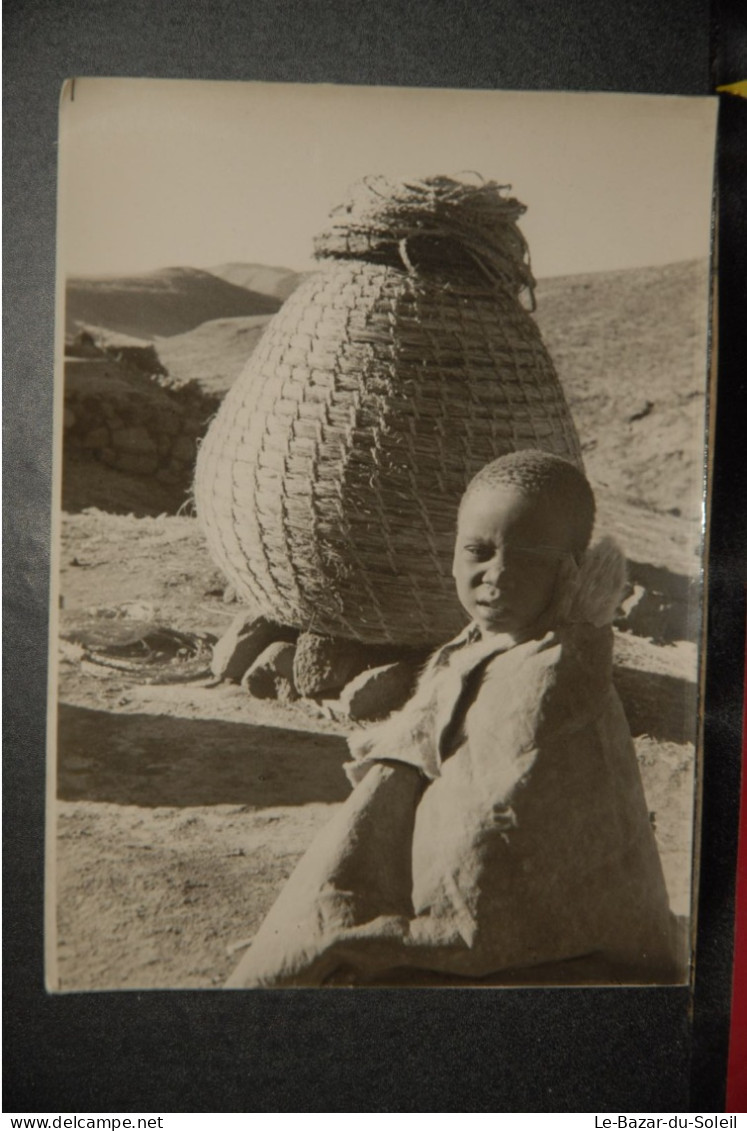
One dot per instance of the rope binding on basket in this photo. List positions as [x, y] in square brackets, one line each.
[438, 224]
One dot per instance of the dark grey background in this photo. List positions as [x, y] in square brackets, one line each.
[306, 1051]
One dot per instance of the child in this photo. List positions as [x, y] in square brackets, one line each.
[498, 828]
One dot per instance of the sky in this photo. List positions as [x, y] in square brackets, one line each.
[161, 173]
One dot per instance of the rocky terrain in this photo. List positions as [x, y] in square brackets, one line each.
[629, 349]
[183, 805]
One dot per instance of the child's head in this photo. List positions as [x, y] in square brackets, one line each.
[522, 518]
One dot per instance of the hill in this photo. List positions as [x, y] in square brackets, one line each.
[278, 282]
[159, 304]
[629, 347]
[214, 353]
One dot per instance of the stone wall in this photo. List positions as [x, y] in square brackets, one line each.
[117, 414]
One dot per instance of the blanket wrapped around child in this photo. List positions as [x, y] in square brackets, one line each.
[498, 831]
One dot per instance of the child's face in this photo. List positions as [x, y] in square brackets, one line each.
[508, 552]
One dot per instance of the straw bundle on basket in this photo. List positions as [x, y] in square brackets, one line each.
[329, 481]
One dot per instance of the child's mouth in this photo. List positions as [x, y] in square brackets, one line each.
[492, 605]
[491, 599]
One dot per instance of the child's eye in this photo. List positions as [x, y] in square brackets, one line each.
[478, 552]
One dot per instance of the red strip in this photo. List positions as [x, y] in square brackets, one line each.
[736, 1079]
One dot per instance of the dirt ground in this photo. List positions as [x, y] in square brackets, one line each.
[184, 806]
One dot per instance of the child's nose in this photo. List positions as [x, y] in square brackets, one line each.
[495, 569]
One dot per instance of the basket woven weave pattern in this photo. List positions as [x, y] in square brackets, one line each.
[329, 482]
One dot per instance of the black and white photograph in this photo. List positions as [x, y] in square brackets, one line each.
[380, 517]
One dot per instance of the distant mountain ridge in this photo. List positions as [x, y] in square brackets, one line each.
[160, 303]
[278, 282]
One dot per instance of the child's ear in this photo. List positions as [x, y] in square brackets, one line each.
[566, 586]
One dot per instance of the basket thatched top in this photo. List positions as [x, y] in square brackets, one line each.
[437, 224]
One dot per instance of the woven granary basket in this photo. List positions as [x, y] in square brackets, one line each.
[328, 483]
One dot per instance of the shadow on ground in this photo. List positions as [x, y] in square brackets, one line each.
[162, 761]
[662, 706]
